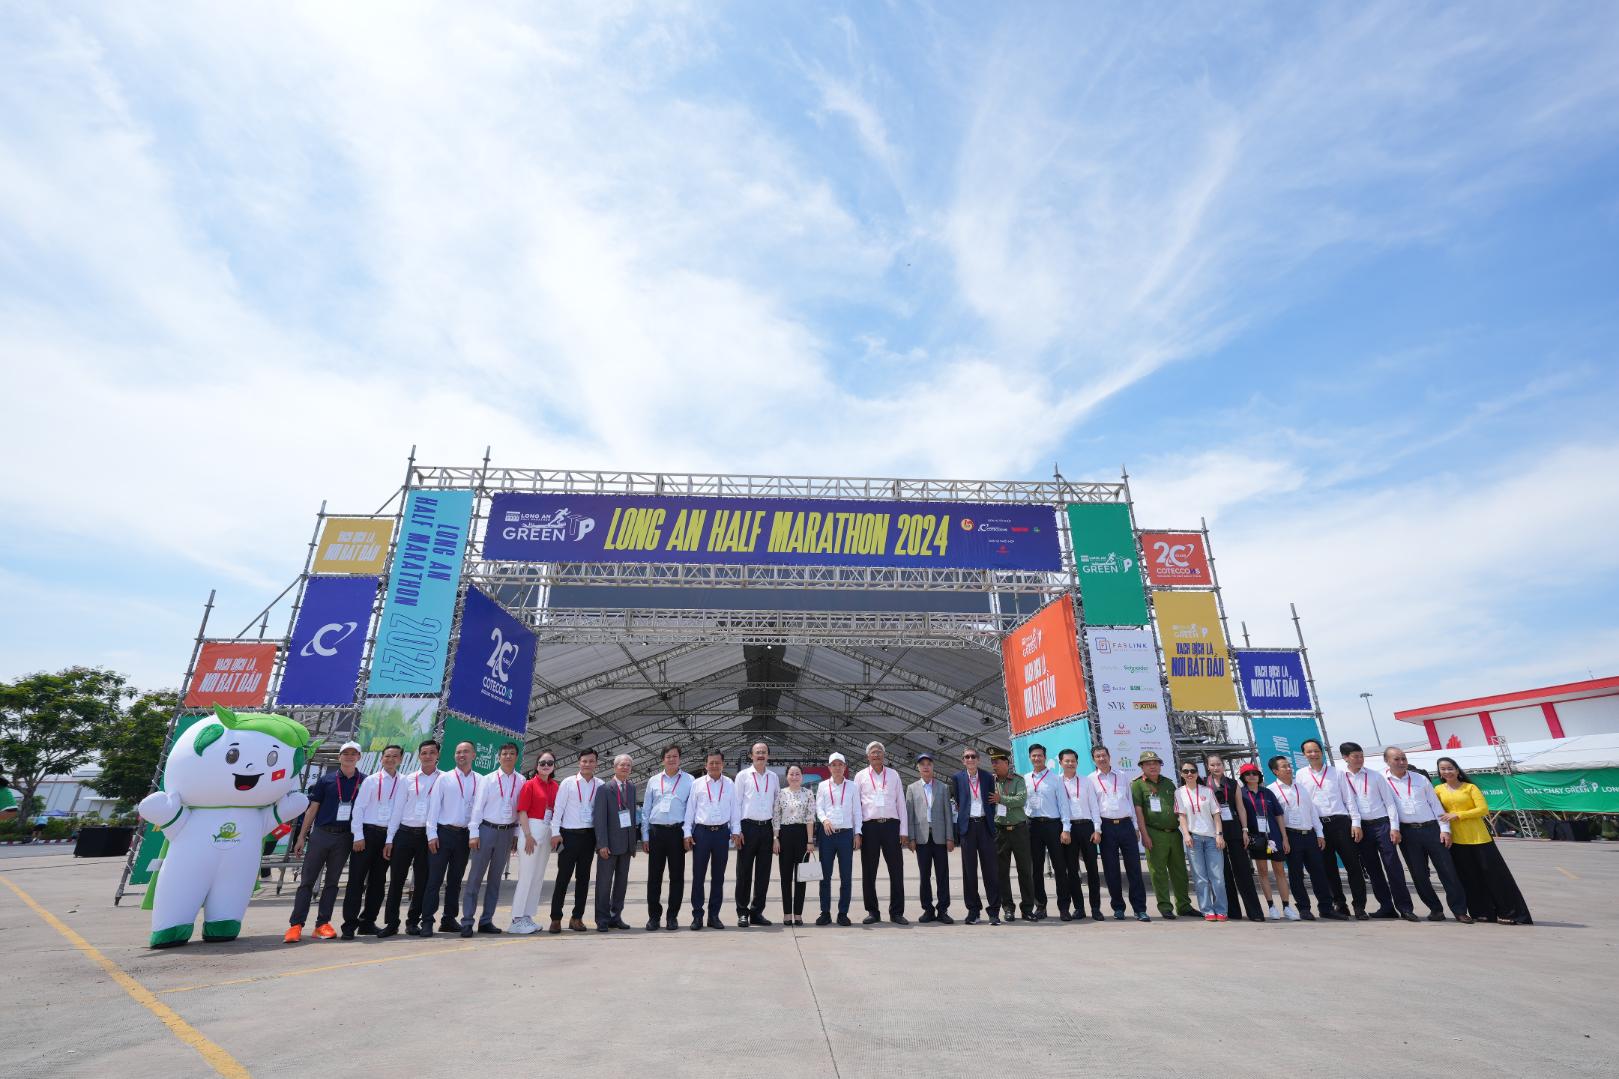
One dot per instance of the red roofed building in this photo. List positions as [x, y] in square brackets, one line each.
[1529, 715]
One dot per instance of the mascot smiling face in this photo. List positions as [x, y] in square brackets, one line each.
[247, 760]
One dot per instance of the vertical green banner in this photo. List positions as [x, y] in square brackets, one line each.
[1110, 588]
[486, 742]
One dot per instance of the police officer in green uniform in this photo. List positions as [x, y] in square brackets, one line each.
[1154, 796]
[1012, 835]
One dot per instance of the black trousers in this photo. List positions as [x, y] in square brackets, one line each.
[325, 853]
[753, 867]
[933, 866]
[1012, 845]
[410, 856]
[574, 859]
[1239, 873]
[1082, 847]
[1382, 864]
[977, 845]
[1121, 844]
[444, 872]
[794, 842]
[368, 874]
[666, 848]
[879, 839]
[1045, 841]
[1339, 842]
[1303, 854]
[1419, 845]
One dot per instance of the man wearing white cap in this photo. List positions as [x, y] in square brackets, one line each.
[837, 807]
[331, 809]
[883, 830]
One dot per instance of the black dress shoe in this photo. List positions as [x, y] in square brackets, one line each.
[602, 927]
[1437, 916]
[927, 916]
[1167, 915]
[696, 924]
[490, 928]
[347, 934]
[653, 925]
[824, 919]
[1411, 916]
[1096, 916]
[945, 919]
[367, 929]
[449, 925]
[619, 923]
[994, 919]
[742, 921]
[387, 931]
[1065, 916]
[1362, 916]
[466, 931]
[871, 919]
[1387, 914]
[1010, 914]
[1465, 919]
[899, 919]
[425, 931]
[672, 922]
[714, 922]
[1306, 916]
[843, 920]
[760, 919]
[971, 919]
[1329, 915]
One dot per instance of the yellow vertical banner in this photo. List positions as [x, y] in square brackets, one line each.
[1195, 653]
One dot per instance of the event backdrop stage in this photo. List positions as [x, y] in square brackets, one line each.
[622, 611]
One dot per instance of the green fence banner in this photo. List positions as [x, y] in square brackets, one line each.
[1593, 790]
[1110, 588]
[487, 743]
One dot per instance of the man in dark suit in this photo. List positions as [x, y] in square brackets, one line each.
[974, 791]
[617, 830]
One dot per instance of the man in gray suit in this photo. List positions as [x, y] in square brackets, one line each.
[617, 833]
[933, 835]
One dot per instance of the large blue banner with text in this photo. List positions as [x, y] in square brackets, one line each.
[413, 635]
[770, 531]
[1273, 680]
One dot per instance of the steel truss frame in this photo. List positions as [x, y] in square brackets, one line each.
[614, 625]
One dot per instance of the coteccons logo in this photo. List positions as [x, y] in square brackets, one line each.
[1172, 558]
[496, 684]
[563, 526]
[324, 643]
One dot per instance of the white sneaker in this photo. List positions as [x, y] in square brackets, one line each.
[1292, 914]
[1275, 915]
[523, 927]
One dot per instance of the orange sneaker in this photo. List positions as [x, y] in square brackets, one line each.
[325, 931]
[294, 935]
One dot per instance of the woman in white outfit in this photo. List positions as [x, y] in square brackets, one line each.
[535, 806]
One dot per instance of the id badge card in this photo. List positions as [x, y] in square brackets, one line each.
[345, 812]
[385, 811]
[1000, 811]
[1263, 825]
[1408, 806]
[1225, 812]
[1155, 803]
[977, 809]
[666, 805]
[624, 819]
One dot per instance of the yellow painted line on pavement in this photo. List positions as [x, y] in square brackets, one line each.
[422, 954]
[1565, 873]
[221, 1061]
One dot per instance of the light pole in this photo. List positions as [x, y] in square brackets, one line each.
[1367, 697]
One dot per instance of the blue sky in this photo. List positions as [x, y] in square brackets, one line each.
[1339, 279]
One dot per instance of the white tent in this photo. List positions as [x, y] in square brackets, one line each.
[1585, 751]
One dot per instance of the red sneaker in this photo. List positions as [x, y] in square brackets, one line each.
[294, 935]
[325, 931]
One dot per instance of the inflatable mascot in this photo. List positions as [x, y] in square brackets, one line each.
[228, 783]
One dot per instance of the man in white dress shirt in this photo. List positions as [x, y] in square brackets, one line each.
[1377, 833]
[663, 835]
[756, 789]
[494, 835]
[713, 825]
[574, 840]
[1340, 820]
[368, 866]
[1303, 844]
[1424, 837]
[449, 839]
[1119, 835]
[1084, 822]
[1047, 809]
[883, 832]
[406, 847]
[837, 807]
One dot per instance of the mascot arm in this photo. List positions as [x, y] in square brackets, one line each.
[163, 810]
[290, 805]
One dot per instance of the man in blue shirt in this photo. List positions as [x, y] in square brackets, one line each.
[663, 819]
[328, 831]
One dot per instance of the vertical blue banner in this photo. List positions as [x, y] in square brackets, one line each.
[413, 636]
[1273, 680]
[493, 673]
[1281, 735]
[328, 642]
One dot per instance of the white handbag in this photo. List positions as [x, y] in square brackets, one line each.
[808, 870]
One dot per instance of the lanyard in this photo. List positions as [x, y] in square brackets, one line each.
[1194, 791]
[1036, 786]
[972, 783]
[618, 792]
[500, 783]
[1103, 790]
[579, 791]
[390, 789]
[337, 781]
[662, 777]
[875, 786]
[1365, 784]
[1407, 784]
[755, 777]
[417, 783]
[1319, 783]
[1252, 804]
[835, 790]
[709, 783]
[461, 788]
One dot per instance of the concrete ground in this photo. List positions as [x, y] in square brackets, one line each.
[1119, 999]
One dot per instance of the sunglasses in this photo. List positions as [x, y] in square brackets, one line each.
[1188, 771]
[969, 756]
[547, 764]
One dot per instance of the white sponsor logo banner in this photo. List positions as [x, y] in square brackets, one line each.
[1129, 694]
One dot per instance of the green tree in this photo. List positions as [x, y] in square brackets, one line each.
[52, 723]
[130, 754]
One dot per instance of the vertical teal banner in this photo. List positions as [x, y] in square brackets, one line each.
[1110, 588]
[413, 635]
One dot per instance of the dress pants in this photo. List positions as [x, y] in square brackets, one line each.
[1167, 862]
[1336, 831]
[1302, 854]
[1012, 844]
[1045, 841]
[665, 849]
[794, 842]
[444, 870]
[1120, 843]
[574, 856]
[879, 839]
[531, 869]
[711, 849]
[1239, 873]
[326, 851]
[837, 847]
[1419, 845]
[368, 878]
[1382, 864]
[410, 855]
[977, 845]
[933, 865]
[612, 882]
[753, 867]
[1082, 847]
[488, 864]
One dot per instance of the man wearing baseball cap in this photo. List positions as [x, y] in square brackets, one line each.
[330, 817]
[837, 807]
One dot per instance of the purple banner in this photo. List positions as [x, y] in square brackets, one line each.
[328, 642]
[493, 672]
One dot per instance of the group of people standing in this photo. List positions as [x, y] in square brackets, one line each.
[452, 832]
